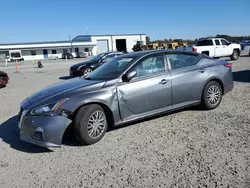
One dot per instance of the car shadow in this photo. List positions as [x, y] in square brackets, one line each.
[9, 134]
[65, 77]
[70, 140]
[164, 114]
[246, 55]
[242, 76]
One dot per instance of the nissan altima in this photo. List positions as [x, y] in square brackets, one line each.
[127, 88]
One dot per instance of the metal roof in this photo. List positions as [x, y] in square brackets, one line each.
[83, 38]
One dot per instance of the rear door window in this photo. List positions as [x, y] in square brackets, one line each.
[178, 61]
[205, 43]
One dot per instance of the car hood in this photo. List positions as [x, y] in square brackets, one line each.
[3, 73]
[83, 64]
[57, 91]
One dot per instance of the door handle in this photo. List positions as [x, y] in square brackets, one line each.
[164, 81]
[201, 70]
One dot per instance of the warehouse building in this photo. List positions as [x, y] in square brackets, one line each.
[89, 44]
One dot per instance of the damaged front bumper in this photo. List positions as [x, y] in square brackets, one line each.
[44, 131]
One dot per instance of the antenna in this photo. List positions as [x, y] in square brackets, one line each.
[86, 29]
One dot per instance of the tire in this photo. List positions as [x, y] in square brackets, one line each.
[212, 86]
[86, 71]
[249, 54]
[235, 55]
[82, 128]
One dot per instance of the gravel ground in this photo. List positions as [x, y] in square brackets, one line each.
[189, 148]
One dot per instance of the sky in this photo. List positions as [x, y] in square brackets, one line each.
[49, 20]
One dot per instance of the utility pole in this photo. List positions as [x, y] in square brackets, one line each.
[71, 49]
[86, 30]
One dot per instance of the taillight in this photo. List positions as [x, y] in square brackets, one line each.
[194, 50]
[229, 65]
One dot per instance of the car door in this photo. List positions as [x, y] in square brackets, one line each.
[219, 51]
[149, 90]
[187, 78]
[226, 48]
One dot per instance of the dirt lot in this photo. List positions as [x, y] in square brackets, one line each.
[190, 148]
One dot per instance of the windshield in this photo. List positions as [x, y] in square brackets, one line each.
[15, 54]
[97, 57]
[112, 69]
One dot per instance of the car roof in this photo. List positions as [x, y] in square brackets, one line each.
[148, 52]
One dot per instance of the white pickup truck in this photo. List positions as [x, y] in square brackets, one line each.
[217, 47]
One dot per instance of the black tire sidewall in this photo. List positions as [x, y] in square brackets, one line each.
[205, 103]
[86, 69]
[81, 123]
[232, 57]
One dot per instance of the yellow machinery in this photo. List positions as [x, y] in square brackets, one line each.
[184, 44]
[173, 45]
[163, 45]
[153, 46]
[181, 43]
[139, 46]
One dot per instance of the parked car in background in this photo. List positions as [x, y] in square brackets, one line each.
[218, 47]
[84, 68]
[126, 88]
[68, 55]
[81, 55]
[4, 79]
[14, 55]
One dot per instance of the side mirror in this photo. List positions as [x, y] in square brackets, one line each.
[129, 75]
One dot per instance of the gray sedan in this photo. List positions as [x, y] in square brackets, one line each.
[128, 88]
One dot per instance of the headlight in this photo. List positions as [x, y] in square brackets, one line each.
[52, 107]
[79, 68]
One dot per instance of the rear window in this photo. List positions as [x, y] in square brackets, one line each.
[205, 43]
[182, 60]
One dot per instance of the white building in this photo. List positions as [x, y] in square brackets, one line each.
[91, 44]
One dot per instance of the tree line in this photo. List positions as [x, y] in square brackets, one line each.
[236, 39]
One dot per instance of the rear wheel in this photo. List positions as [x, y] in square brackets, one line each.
[235, 55]
[212, 95]
[90, 124]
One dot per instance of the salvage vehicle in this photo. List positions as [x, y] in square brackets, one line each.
[14, 55]
[4, 79]
[67, 55]
[86, 67]
[81, 55]
[129, 87]
[218, 47]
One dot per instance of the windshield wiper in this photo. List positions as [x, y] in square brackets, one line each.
[88, 78]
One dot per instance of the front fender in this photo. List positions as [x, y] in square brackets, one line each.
[105, 96]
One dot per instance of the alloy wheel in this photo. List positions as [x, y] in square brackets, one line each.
[87, 71]
[213, 95]
[235, 55]
[96, 124]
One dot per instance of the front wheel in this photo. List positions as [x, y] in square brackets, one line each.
[235, 55]
[212, 95]
[86, 71]
[90, 124]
